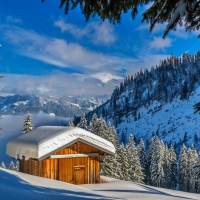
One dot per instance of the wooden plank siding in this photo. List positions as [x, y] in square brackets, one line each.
[77, 170]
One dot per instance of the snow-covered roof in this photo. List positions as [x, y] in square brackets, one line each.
[46, 140]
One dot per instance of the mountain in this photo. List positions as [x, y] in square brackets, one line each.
[158, 102]
[64, 106]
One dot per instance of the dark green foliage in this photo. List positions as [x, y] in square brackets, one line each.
[197, 107]
[158, 13]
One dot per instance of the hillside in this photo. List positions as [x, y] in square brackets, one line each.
[64, 106]
[158, 102]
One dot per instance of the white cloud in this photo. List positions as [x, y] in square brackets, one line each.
[146, 62]
[160, 43]
[58, 84]
[58, 52]
[13, 20]
[101, 33]
[105, 77]
[157, 28]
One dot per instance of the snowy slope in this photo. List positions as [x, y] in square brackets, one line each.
[15, 185]
[170, 121]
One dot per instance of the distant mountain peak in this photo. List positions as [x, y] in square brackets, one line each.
[64, 106]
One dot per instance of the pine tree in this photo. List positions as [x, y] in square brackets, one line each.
[70, 123]
[192, 156]
[17, 166]
[170, 169]
[3, 165]
[183, 169]
[157, 161]
[100, 128]
[196, 169]
[108, 163]
[12, 166]
[83, 122]
[121, 169]
[143, 158]
[159, 12]
[28, 126]
[125, 167]
[173, 168]
[93, 123]
[136, 174]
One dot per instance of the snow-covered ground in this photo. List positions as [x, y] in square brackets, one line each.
[19, 186]
[16, 185]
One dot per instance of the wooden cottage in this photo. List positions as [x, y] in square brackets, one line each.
[68, 154]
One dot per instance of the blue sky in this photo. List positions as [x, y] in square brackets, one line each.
[45, 52]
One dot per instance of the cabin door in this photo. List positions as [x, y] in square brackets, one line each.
[79, 174]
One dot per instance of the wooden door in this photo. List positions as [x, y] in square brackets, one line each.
[79, 175]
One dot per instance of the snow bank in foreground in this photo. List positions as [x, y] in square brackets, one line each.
[15, 185]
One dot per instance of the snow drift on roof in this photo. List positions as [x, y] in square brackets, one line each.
[46, 140]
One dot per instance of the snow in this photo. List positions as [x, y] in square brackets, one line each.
[46, 140]
[20, 103]
[12, 126]
[16, 185]
[119, 189]
[5, 108]
[77, 105]
[172, 120]
[180, 11]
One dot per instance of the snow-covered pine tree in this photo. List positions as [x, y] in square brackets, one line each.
[17, 166]
[166, 180]
[197, 174]
[93, 123]
[170, 168]
[121, 169]
[192, 156]
[157, 161]
[28, 126]
[109, 163]
[70, 123]
[100, 128]
[12, 166]
[83, 122]
[173, 168]
[143, 158]
[183, 169]
[136, 174]
[3, 165]
[126, 165]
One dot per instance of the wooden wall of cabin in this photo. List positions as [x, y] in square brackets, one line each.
[84, 170]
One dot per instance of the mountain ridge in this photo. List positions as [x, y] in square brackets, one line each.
[157, 102]
[67, 106]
